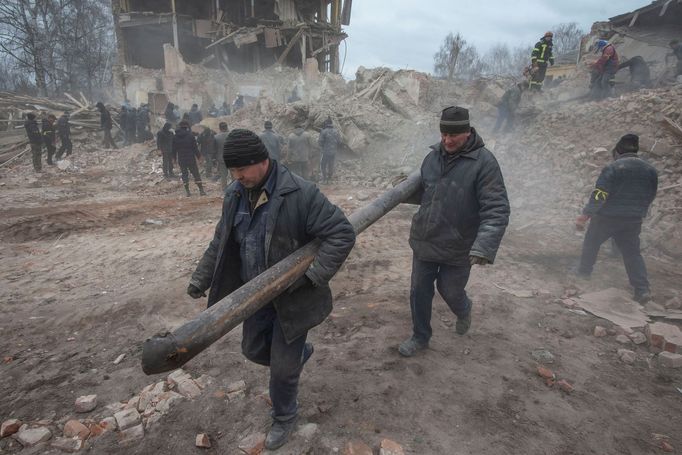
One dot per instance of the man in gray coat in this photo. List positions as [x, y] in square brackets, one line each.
[272, 140]
[220, 139]
[268, 213]
[301, 148]
[462, 217]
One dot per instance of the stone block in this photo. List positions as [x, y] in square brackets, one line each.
[670, 360]
[127, 418]
[178, 376]
[389, 447]
[638, 338]
[202, 440]
[9, 427]
[86, 403]
[67, 444]
[165, 401]
[665, 337]
[28, 437]
[188, 388]
[626, 356]
[108, 423]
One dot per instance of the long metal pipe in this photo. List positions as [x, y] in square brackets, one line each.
[170, 350]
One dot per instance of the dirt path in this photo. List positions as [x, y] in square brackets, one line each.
[84, 281]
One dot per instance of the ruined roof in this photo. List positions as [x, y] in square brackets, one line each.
[657, 13]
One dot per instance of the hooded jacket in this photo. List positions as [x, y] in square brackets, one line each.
[464, 208]
[164, 138]
[185, 147]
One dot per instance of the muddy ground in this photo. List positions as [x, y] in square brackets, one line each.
[84, 278]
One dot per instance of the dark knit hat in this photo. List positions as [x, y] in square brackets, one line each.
[268, 125]
[628, 144]
[243, 148]
[454, 120]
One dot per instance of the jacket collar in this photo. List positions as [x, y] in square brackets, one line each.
[626, 155]
[280, 181]
[472, 148]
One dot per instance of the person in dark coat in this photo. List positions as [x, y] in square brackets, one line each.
[169, 113]
[49, 137]
[208, 151]
[272, 140]
[142, 124]
[640, 76]
[64, 133]
[35, 139]
[329, 142]
[623, 193]
[268, 213]
[195, 116]
[164, 142]
[462, 217]
[131, 125]
[123, 121]
[506, 110]
[186, 151]
[539, 58]
[220, 139]
[106, 124]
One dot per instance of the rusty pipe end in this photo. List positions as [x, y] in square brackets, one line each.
[161, 353]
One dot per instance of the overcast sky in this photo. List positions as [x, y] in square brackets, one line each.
[406, 33]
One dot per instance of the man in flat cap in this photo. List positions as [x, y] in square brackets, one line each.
[268, 213]
[462, 217]
[624, 191]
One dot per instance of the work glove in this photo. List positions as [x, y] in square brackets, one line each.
[478, 260]
[298, 284]
[581, 222]
[195, 292]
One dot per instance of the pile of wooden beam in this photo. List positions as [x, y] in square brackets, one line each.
[13, 109]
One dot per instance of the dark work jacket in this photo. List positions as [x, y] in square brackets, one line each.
[63, 127]
[329, 141]
[511, 99]
[185, 147]
[33, 132]
[195, 116]
[105, 119]
[164, 140]
[207, 143]
[464, 207]
[298, 213]
[625, 188]
[48, 132]
[542, 52]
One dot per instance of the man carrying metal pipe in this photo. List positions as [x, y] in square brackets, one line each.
[269, 213]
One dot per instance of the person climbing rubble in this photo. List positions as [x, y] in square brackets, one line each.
[540, 57]
[506, 110]
[603, 71]
[623, 193]
[186, 151]
[463, 214]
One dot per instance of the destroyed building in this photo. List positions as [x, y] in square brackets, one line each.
[158, 39]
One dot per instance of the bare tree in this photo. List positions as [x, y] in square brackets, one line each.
[567, 37]
[445, 60]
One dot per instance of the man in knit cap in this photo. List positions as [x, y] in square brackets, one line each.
[268, 213]
[623, 193]
[462, 217]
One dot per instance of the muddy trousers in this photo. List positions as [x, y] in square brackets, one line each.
[263, 343]
[450, 281]
[65, 147]
[327, 166]
[625, 232]
[36, 155]
[167, 163]
[504, 114]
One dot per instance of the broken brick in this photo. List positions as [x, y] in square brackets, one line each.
[357, 448]
[86, 403]
[670, 360]
[74, 428]
[188, 388]
[565, 386]
[665, 337]
[127, 418]
[546, 373]
[389, 447]
[202, 440]
[9, 427]
[28, 437]
[253, 444]
[67, 444]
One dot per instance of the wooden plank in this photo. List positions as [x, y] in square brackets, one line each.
[290, 46]
[224, 38]
[73, 99]
[674, 126]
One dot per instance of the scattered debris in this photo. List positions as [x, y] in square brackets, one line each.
[119, 359]
[9, 427]
[670, 360]
[389, 447]
[600, 331]
[253, 444]
[626, 356]
[86, 403]
[202, 440]
[542, 356]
